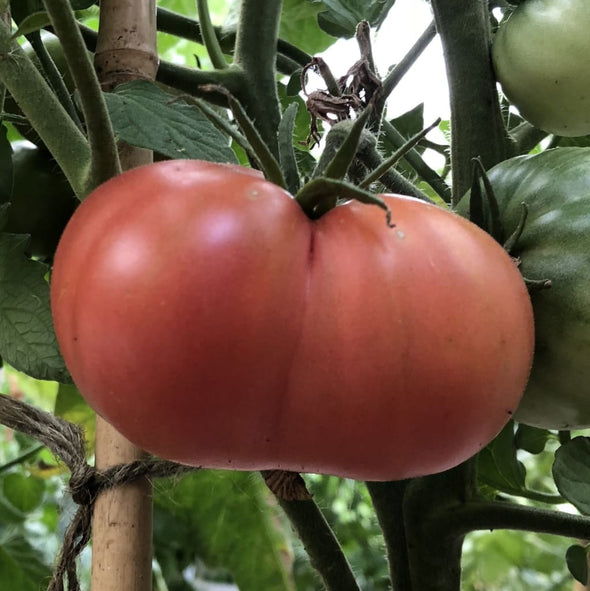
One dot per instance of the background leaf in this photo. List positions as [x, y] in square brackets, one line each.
[571, 471]
[228, 519]
[145, 116]
[342, 16]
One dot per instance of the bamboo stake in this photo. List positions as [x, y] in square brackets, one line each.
[122, 523]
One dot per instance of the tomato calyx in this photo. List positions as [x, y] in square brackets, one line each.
[322, 194]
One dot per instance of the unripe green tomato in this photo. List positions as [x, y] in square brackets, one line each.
[42, 200]
[540, 56]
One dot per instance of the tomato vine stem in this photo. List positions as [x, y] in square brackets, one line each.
[477, 127]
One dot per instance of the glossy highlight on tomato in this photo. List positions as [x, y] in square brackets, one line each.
[211, 322]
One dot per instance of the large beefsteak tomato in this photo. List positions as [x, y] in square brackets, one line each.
[203, 314]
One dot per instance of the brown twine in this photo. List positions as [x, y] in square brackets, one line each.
[66, 441]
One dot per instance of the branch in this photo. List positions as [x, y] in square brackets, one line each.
[50, 120]
[477, 129]
[415, 160]
[400, 70]
[105, 159]
[255, 54]
[490, 515]
[387, 500]
[321, 545]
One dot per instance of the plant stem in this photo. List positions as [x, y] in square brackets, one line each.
[321, 545]
[187, 28]
[255, 54]
[209, 37]
[54, 76]
[400, 70]
[413, 158]
[105, 158]
[477, 128]
[434, 546]
[50, 120]
[387, 500]
[22, 458]
[491, 515]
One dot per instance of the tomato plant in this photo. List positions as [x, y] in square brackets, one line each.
[538, 57]
[204, 315]
[554, 185]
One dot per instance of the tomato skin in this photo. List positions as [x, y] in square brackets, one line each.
[204, 315]
[540, 59]
[555, 185]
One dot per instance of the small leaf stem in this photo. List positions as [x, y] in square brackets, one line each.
[413, 158]
[46, 114]
[477, 128]
[255, 55]
[391, 179]
[22, 458]
[187, 28]
[268, 162]
[397, 156]
[209, 36]
[400, 70]
[388, 500]
[105, 158]
[321, 545]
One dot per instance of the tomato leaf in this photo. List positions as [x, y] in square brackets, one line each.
[531, 439]
[576, 558]
[299, 26]
[342, 16]
[27, 338]
[147, 117]
[498, 466]
[571, 472]
[226, 518]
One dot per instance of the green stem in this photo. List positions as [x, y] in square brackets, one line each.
[54, 76]
[388, 500]
[400, 70]
[187, 28]
[50, 120]
[434, 545]
[526, 137]
[477, 128]
[105, 156]
[413, 158]
[255, 54]
[209, 37]
[321, 545]
[394, 181]
[492, 515]
[22, 458]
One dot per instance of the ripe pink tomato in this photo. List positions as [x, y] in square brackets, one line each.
[211, 322]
